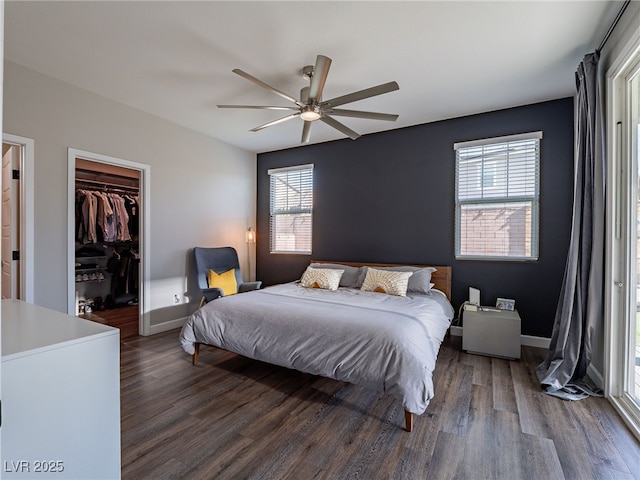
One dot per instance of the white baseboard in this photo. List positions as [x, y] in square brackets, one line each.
[595, 375]
[164, 326]
[531, 341]
[525, 340]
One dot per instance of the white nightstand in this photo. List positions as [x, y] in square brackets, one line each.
[491, 332]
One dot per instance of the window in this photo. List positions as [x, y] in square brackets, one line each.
[291, 209]
[497, 197]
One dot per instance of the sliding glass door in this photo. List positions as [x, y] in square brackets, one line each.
[622, 332]
[631, 331]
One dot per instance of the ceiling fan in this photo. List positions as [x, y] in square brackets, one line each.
[310, 107]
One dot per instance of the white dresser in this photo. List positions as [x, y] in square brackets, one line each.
[60, 395]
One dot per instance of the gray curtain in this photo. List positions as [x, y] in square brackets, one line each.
[580, 307]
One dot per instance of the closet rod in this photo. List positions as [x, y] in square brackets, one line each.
[97, 185]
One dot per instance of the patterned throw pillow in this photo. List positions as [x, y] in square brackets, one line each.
[325, 278]
[386, 281]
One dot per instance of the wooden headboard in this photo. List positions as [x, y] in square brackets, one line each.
[441, 277]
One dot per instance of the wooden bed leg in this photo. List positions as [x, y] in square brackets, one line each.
[196, 353]
[408, 421]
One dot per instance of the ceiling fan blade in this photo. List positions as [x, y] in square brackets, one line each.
[264, 85]
[306, 132]
[339, 126]
[260, 107]
[275, 122]
[359, 114]
[361, 94]
[320, 72]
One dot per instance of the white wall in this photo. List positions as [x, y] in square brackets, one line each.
[203, 191]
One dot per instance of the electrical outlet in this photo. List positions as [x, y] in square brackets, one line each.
[176, 299]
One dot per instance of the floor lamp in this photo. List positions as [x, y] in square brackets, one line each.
[250, 237]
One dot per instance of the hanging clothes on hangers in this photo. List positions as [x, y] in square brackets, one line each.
[124, 269]
[121, 217]
[85, 216]
[131, 205]
[105, 216]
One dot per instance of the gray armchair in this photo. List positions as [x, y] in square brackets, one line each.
[220, 260]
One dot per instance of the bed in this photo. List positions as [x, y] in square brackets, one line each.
[347, 330]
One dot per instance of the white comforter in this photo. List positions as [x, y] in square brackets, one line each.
[379, 341]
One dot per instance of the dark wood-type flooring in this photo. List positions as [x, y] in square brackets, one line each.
[123, 318]
[233, 418]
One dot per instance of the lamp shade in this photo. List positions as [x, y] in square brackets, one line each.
[250, 235]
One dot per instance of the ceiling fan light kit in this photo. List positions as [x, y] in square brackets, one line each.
[310, 107]
[310, 113]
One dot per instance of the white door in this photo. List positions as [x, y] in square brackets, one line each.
[19, 198]
[10, 221]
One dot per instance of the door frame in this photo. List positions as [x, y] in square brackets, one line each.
[26, 246]
[144, 296]
[620, 172]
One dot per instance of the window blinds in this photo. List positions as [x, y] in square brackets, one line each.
[291, 209]
[497, 197]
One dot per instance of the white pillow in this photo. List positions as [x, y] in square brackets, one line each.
[420, 281]
[351, 276]
[386, 281]
[325, 278]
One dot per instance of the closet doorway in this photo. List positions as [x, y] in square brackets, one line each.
[108, 241]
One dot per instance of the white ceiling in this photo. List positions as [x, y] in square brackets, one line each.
[174, 59]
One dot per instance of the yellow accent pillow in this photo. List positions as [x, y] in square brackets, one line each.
[225, 281]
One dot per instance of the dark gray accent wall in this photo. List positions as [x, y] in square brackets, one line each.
[389, 197]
